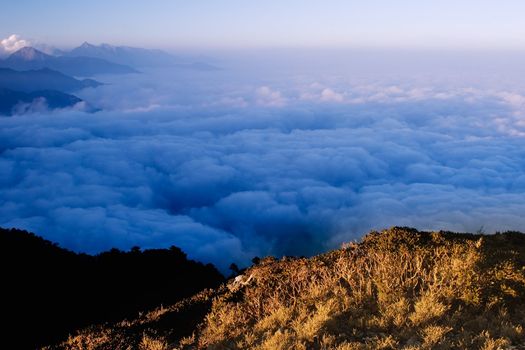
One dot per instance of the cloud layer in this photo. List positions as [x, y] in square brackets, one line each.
[229, 170]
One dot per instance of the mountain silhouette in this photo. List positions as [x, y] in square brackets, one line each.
[42, 79]
[17, 102]
[29, 58]
[137, 57]
[49, 292]
[28, 54]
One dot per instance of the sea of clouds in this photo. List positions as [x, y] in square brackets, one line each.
[280, 156]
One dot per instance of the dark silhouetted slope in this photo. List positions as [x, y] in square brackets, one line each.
[49, 291]
[42, 79]
[16, 102]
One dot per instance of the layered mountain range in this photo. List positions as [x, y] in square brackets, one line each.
[138, 57]
[30, 76]
[125, 55]
[42, 79]
[30, 58]
[17, 102]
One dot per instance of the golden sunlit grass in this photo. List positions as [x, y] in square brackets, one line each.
[397, 289]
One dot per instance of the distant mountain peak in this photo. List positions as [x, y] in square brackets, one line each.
[85, 44]
[125, 55]
[28, 53]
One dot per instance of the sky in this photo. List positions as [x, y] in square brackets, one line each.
[474, 24]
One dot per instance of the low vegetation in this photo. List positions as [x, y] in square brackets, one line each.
[397, 289]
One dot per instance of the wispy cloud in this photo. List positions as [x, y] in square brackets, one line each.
[269, 97]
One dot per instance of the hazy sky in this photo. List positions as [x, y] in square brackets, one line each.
[242, 23]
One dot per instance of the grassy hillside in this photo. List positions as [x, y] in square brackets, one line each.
[397, 289]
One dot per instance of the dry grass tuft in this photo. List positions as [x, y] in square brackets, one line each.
[397, 289]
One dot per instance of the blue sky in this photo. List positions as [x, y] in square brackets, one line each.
[292, 23]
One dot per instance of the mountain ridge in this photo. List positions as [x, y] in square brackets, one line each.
[29, 58]
[42, 79]
[125, 55]
[28, 53]
[49, 291]
[138, 57]
[17, 102]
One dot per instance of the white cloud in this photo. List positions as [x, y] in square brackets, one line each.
[329, 95]
[265, 96]
[12, 43]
